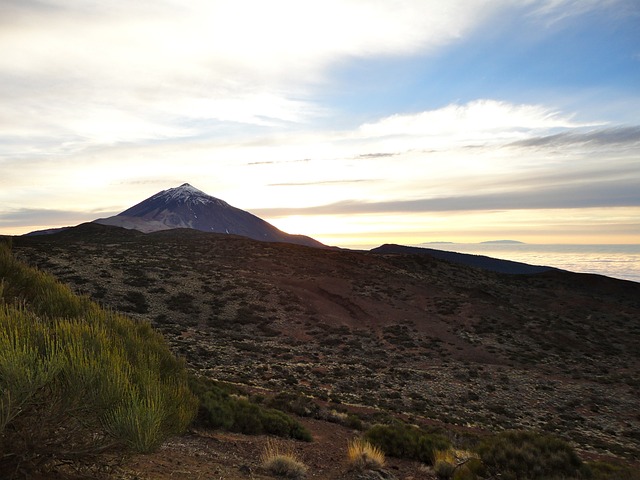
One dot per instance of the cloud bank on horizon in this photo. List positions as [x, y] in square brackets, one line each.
[352, 121]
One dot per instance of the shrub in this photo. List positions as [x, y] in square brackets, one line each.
[294, 403]
[526, 455]
[41, 291]
[600, 470]
[473, 469]
[221, 408]
[457, 464]
[444, 463]
[76, 380]
[282, 462]
[363, 456]
[405, 441]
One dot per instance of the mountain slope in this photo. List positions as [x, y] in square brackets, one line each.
[187, 207]
[554, 351]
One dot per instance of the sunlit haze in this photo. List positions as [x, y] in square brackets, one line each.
[354, 122]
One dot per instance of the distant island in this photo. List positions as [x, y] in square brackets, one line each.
[503, 242]
[511, 242]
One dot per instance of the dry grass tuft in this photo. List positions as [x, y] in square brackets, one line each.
[362, 455]
[281, 461]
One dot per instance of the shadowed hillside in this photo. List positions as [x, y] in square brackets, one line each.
[478, 261]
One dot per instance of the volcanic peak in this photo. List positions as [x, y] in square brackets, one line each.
[187, 207]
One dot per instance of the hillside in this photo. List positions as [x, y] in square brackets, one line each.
[441, 342]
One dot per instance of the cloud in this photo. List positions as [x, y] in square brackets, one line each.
[376, 155]
[213, 91]
[608, 136]
[555, 11]
[37, 217]
[274, 162]
[322, 182]
[82, 73]
[473, 121]
[118, 71]
[594, 194]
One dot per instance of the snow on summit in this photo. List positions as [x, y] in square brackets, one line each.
[187, 193]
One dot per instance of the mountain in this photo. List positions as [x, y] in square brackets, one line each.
[187, 207]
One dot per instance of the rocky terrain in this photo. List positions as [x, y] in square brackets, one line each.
[414, 335]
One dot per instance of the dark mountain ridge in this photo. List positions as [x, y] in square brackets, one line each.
[478, 261]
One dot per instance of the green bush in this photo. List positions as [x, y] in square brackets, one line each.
[473, 469]
[600, 470]
[41, 291]
[220, 407]
[406, 441]
[294, 403]
[76, 380]
[526, 455]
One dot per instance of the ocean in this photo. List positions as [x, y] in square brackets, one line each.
[617, 261]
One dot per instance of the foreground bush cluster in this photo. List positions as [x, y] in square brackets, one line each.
[508, 455]
[406, 441]
[221, 408]
[76, 380]
[528, 455]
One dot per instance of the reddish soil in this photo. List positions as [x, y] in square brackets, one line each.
[220, 455]
[209, 455]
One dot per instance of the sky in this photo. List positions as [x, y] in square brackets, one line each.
[356, 122]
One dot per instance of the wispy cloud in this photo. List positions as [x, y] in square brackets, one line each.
[323, 182]
[607, 136]
[377, 155]
[594, 194]
[553, 12]
[37, 217]
[472, 120]
[275, 162]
